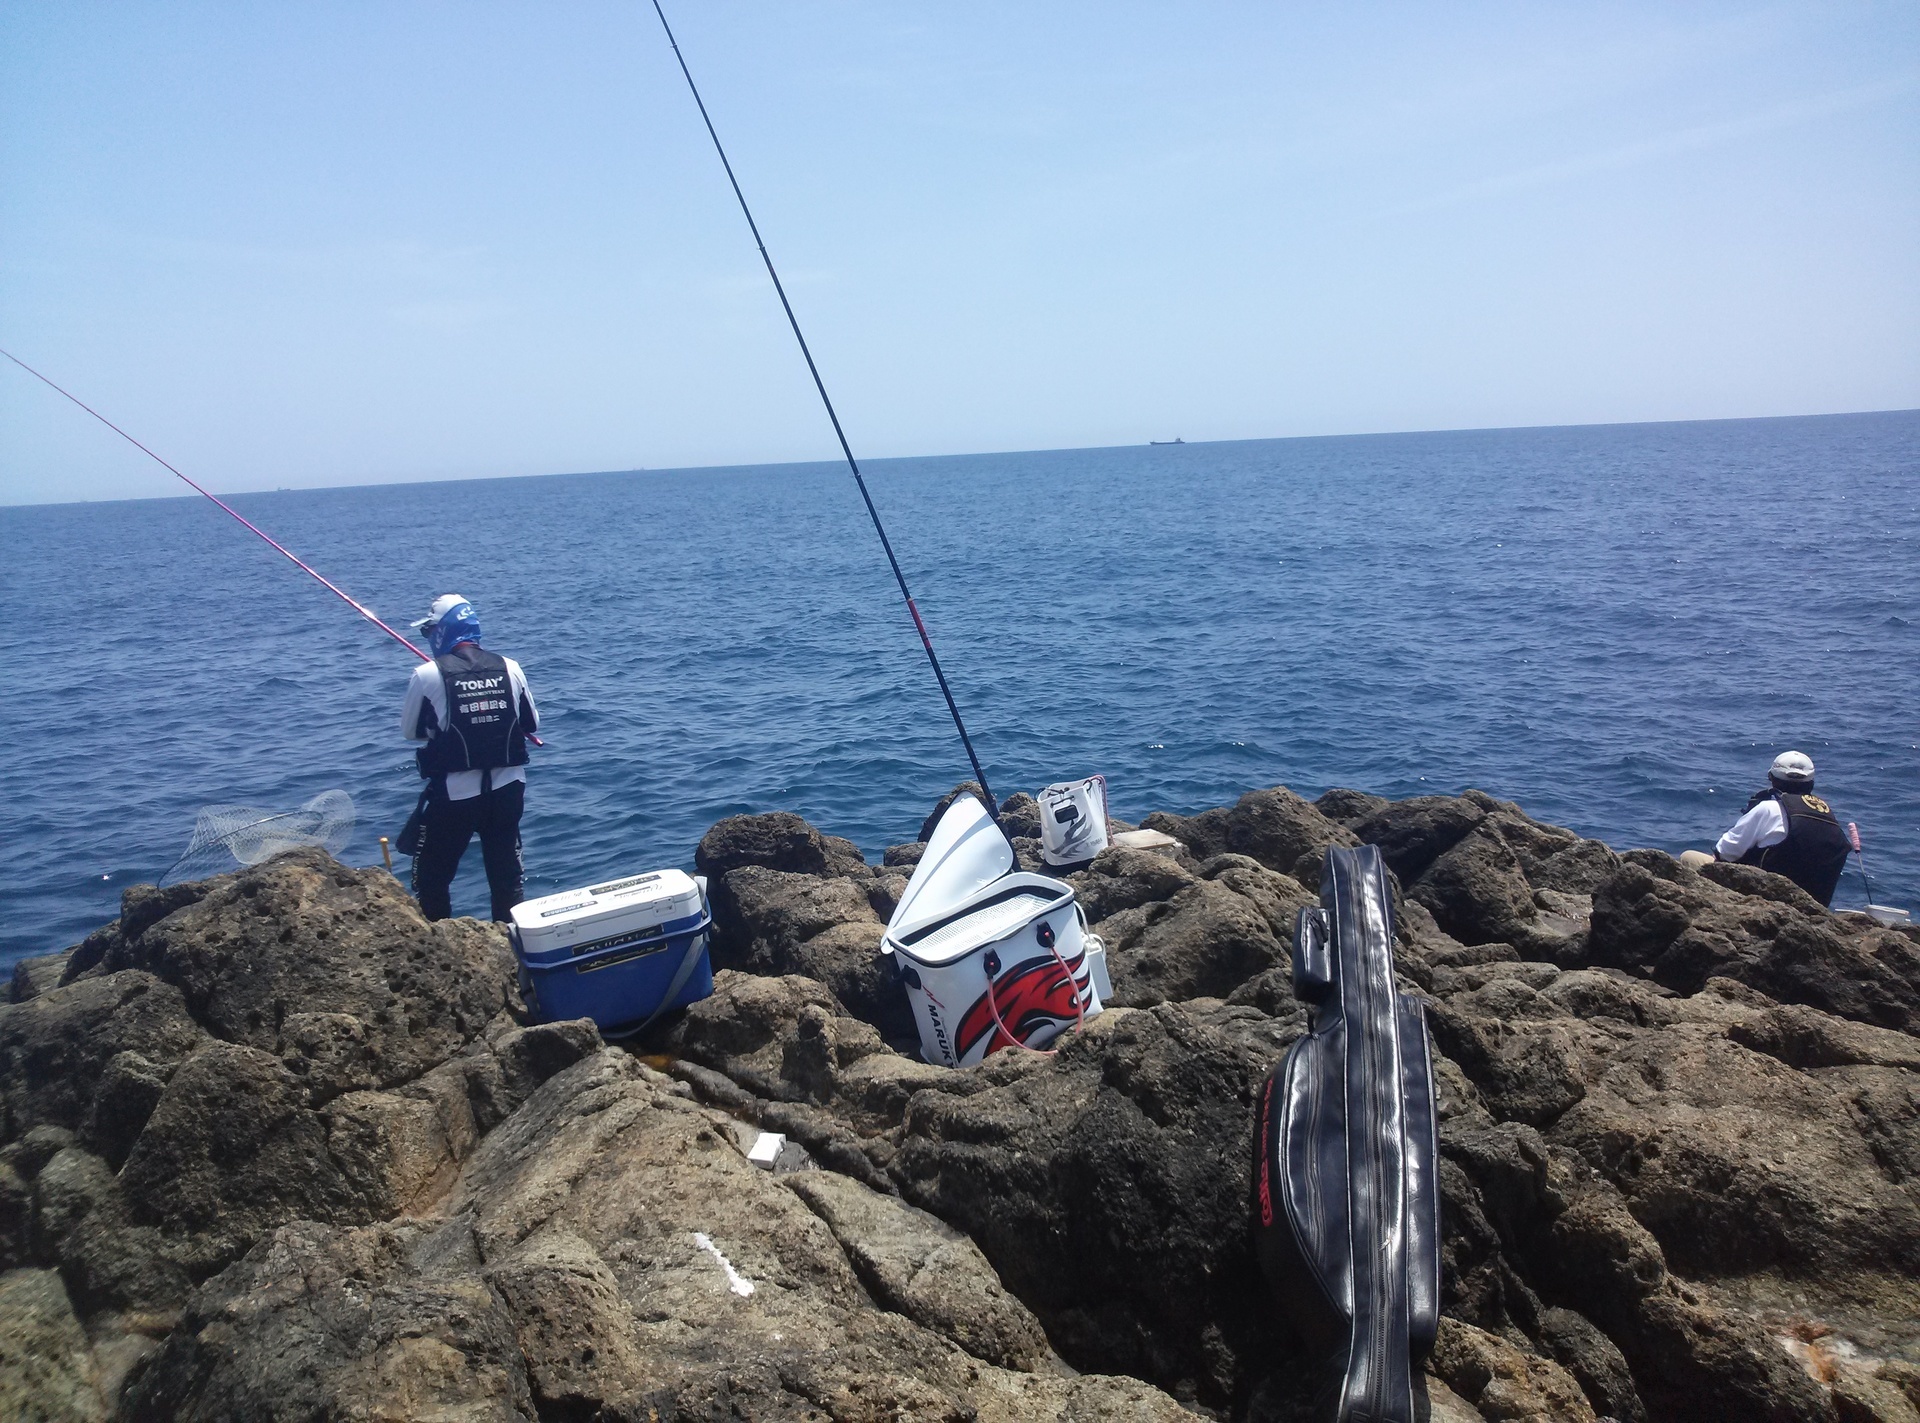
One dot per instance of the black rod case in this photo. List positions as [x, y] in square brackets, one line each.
[1346, 1207]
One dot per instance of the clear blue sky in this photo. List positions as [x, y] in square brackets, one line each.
[351, 243]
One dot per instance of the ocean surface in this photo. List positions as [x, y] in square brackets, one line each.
[1616, 626]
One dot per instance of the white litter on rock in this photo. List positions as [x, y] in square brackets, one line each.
[766, 1149]
[736, 1282]
[1144, 840]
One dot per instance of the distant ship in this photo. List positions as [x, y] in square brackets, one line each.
[1166, 442]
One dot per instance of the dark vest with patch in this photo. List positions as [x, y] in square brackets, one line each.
[482, 730]
[1815, 850]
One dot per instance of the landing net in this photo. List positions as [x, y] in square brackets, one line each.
[224, 835]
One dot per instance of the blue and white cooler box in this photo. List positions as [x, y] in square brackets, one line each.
[621, 953]
[990, 958]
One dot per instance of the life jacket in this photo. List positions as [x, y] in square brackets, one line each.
[483, 730]
[1815, 850]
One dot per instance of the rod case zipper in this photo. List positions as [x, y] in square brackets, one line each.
[1346, 1208]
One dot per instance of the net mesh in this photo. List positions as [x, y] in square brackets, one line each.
[226, 834]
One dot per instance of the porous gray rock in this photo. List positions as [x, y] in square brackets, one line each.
[965, 788]
[1412, 834]
[47, 1370]
[55, 1047]
[1020, 816]
[1274, 826]
[1349, 807]
[778, 840]
[1477, 891]
[915, 1264]
[1204, 942]
[34, 976]
[1655, 916]
[1108, 1187]
[1680, 1132]
[608, 1252]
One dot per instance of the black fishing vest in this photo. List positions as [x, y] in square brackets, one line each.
[482, 730]
[1815, 850]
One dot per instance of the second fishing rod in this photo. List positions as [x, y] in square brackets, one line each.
[893, 561]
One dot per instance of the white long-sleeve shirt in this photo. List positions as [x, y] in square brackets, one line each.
[1764, 825]
[429, 689]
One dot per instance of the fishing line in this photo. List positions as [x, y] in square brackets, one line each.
[820, 385]
[311, 572]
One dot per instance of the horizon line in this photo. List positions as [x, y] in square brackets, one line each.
[962, 454]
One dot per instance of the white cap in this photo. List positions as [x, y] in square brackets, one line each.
[1793, 767]
[442, 605]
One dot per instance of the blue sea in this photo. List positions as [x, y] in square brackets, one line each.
[1617, 626]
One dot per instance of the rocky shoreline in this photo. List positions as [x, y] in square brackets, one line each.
[274, 1147]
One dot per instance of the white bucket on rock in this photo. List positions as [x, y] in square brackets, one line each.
[990, 958]
[1073, 821]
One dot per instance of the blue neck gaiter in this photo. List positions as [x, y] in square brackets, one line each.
[456, 625]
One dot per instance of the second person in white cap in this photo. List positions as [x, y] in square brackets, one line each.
[1789, 830]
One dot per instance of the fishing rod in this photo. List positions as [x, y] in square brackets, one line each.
[294, 558]
[362, 609]
[818, 384]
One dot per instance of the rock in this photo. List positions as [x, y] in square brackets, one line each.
[16, 1218]
[1654, 916]
[1275, 827]
[776, 841]
[1477, 892]
[529, 1056]
[1412, 834]
[380, 1322]
[846, 958]
[1503, 1382]
[645, 1269]
[885, 893]
[1278, 897]
[914, 1264]
[574, 1330]
[47, 1373]
[1595, 1362]
[332, 970]
[1862, 1395]
[1348, 807]
[904, 857]
[971, 788]
[34, 976]
[1019, 816]
[141, 906]
[1126, 879]
[1737, 1162]
[761, 913]
[1570, 1232]
[130, 1088]
[1108, 1187]
[231, 1150]
[1515, 1045]
[1204, 942]
[55, 1047]
[277, 1128]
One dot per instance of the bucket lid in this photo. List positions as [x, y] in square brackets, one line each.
[966, 854]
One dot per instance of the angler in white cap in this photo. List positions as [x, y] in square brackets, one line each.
[474, 712]
[1790, 830]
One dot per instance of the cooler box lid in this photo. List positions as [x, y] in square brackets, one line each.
[641, 900]
[966, 854]
[1004, 907]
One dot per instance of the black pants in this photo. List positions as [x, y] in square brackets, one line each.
[448, 826]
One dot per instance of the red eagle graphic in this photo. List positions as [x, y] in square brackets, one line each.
[1030, 995]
